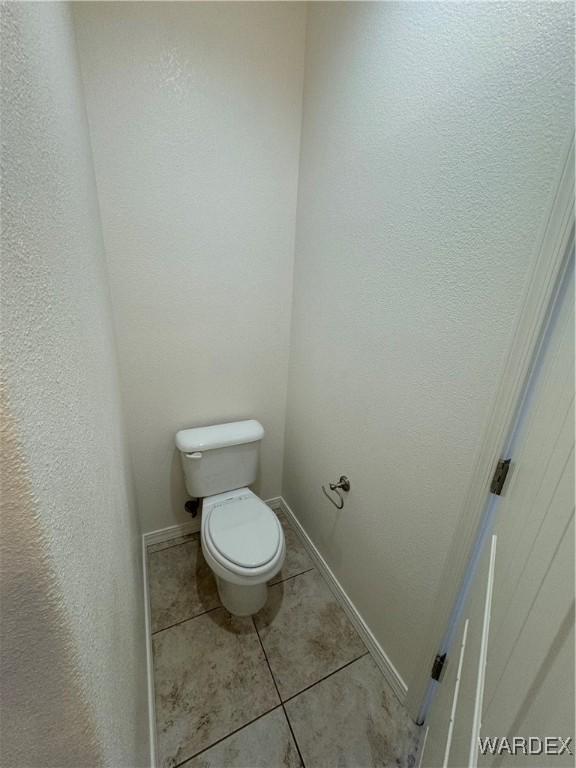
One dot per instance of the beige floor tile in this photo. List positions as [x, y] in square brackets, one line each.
[353, 719]
[305, 633]
[211, 677]
[266, 743]
[181, 584]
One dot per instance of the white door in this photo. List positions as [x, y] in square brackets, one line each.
[513, 675]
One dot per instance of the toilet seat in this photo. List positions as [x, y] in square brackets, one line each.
[244, 531]
[242, 535]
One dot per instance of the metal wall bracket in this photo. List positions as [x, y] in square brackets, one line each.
[342, 484]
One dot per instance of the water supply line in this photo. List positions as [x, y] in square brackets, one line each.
[342, 484]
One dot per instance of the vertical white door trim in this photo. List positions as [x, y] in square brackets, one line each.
[481, 679]
[422, 748]
[455, 695]
[550, 264]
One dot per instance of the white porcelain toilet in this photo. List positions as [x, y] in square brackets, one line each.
[242, 539]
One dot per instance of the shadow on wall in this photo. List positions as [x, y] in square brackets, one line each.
[178, 494]
[46, 720]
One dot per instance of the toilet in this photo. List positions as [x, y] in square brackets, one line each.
[242, 539]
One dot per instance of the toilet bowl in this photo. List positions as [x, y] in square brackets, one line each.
[242, 539]
[243, 544]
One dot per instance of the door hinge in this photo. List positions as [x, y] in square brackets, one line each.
[500, 475]
[438, 666]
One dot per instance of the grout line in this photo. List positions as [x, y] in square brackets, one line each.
[281, 581]
[281, 701]
[189, 538]
[182, 621]
[266, 657]
[321, 680]
[384, 663]
[232, 733]
[281, 704]
[196, 615]
[302, 763]
[190, 618]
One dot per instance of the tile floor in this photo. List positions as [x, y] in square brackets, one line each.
[292, 686]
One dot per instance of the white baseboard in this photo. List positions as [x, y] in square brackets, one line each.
[171, 532]
[376, 651]
[149, 658]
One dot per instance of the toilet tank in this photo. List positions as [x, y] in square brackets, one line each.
[221, 457]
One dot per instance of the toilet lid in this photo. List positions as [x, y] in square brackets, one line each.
[245, 531]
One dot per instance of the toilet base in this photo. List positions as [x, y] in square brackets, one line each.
[241, 600]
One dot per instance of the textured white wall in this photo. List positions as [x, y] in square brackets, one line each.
[194, 111]
[73, 646]
[431, 141]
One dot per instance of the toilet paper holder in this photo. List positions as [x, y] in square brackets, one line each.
[342, 484]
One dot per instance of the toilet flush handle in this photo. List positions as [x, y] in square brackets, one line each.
[195, 455]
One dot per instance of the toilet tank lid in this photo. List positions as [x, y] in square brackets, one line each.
[219, 436]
